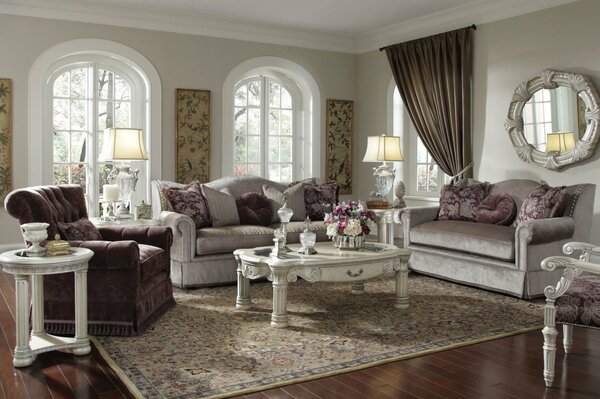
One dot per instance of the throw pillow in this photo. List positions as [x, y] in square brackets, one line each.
[295, 201]
[189, 201]
[80, 230]
[496, 209]
[543, 202]
[460, 203]
[254, 208]
[221, 207]
[320, 198]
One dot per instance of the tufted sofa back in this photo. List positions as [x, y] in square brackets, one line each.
[48, 204]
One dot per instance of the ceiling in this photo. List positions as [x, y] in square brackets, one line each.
[353, 26]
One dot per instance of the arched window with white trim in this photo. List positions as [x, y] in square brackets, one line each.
[81, 93]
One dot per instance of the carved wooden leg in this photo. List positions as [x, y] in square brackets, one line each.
[242, 301]
[81, 316]
[567, 338]
[279, 318]
[37, 305]
[402, 285]
[358, 287]
[550, 334]
[23, 356]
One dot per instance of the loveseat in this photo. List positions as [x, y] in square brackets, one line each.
[204, 256]
[497, 257]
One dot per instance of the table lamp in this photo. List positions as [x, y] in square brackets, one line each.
[382, 149]
[123, 145]
[560, 141]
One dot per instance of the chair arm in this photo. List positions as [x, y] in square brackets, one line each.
[413, 216]
[111, 254]
[157, 236]
[184, 235]
[539, 231]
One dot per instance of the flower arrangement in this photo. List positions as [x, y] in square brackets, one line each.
[349, 219]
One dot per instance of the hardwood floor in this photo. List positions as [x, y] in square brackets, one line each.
[505, 368]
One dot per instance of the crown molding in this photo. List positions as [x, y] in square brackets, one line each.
[481, 12]
[174, 22]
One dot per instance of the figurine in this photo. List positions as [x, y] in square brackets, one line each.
[399, 191]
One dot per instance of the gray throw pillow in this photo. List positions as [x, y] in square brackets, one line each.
[295, 201]
[222, 207]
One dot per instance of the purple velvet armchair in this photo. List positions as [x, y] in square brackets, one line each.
[129, 283]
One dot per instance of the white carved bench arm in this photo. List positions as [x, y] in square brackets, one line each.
[572, 268]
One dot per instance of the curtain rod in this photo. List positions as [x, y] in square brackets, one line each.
[474, 27]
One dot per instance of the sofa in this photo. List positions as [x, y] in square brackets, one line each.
[502, 258]
[204, 256]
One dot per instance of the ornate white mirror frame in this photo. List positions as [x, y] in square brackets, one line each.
[549, 79]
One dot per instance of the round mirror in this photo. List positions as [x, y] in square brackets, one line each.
[552, 119]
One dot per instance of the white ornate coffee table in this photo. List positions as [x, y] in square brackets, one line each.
[329, 264]
[22, 266]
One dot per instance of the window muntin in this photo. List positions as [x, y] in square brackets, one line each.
[537, 118]
[264, 128]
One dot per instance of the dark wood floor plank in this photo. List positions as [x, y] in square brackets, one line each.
[277, 393]
[320, 390]
[382, 391]
[298, 392]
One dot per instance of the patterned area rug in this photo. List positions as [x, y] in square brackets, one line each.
[203, 347]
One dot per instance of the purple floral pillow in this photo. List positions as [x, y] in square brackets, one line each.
[81, 230]
[319, 198]
[254, 209]
[543, 202]
[189, 201]
[460, 203]
[496, 209]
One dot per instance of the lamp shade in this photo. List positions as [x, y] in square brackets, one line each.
[383, 148]
[123, 144]
[560, 141]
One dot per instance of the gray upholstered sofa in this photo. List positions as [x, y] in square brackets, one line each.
[203, 257]
[500, 258]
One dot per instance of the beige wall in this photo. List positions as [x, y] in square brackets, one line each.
[182, 61]
[505, 54]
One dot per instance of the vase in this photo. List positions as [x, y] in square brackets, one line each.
[35, 233]
[348, 242]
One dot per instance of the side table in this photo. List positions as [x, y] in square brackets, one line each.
[125, 222]
[22, 267]
[385, 224]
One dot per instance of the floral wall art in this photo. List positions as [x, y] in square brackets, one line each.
[339, 143]
[5, 137]
[193, 135]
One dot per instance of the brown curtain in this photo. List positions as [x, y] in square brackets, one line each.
[433, 76]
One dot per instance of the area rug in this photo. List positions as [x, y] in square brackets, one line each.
[203, 347]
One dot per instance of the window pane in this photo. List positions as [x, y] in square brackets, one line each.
[286, 99]
[538, 96]
[60, 147]
[274, 149]
[79, 83]
[274, 99]
[254, 93]
[274, 122]
[103, 171]
[254, 149]
[286, 172]
[122, 114]
[78, 147]
[254, 121]
[60, 115]
[61, 174]
[286, 149]
[421, 152]
[61, 86]
[433, 178]
[102, 115]
[239, 170]
[78, 176]
[539, 112]
[240, 127]
[239, 151]
[274, 173]
[545, 94]
[241, 97]
[528, 132]
[286, 123]
[254, 169]
[122, 91]
[528, 113]
[105, 84]
[79, 115]
[421, 177]
[547, 112]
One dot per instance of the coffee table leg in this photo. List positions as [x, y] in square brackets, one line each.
[279, 318]
[402, 285]
[23, 356]
[358, 287]
[242, 301]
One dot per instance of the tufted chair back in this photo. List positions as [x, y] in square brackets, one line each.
[48, 204]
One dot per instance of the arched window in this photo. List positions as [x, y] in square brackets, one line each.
[422, 176]
[81, 93]
[270, 120]
[266, 137]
